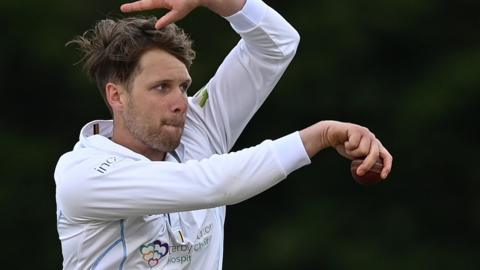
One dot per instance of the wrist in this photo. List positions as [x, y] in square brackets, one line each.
[335, 133]
[224, 8]
[315, 137]
[325, 133]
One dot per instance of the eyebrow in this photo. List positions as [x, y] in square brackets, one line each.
[157, 82]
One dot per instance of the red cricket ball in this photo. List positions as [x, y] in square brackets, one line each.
[371, 177]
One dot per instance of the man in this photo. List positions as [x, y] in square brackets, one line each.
[148, 190]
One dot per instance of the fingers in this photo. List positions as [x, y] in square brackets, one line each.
[353, 141]
[360, 142]
[368, 149]
[171, 17]
[377, 153]
[142, 5]
[387, 162]
[178, 9]
[166, 19]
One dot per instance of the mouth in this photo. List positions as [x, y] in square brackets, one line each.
[174, 124]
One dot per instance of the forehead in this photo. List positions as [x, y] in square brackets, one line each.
[158, 64]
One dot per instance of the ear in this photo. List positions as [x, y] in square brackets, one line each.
[115, 94]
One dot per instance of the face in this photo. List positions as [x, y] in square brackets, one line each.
[156, 103]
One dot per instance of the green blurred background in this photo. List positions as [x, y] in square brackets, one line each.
[407, 69]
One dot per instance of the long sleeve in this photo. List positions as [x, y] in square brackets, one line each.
[130, 187]
[222, 109]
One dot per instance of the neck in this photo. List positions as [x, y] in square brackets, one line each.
[123, 137]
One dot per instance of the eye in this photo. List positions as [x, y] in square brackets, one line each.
[184, 87]
[162, 87]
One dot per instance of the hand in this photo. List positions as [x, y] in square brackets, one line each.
[181, 8]
[351, 141]
[178, 9]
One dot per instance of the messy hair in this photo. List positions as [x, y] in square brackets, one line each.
[112, 49]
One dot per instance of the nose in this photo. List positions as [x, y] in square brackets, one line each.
[179, 102]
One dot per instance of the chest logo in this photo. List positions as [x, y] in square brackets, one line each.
[153, 252]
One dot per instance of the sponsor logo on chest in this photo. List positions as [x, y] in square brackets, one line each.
[180, 254]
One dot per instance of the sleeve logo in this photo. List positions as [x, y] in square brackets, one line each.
[201, 97]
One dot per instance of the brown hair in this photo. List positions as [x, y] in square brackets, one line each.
[112, 49]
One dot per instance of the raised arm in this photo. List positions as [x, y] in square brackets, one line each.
[241, 84]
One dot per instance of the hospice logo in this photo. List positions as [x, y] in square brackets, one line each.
[153, 252]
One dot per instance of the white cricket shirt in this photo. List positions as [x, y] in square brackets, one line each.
[116, 209]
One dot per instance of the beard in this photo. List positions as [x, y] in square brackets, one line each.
[161, 135]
